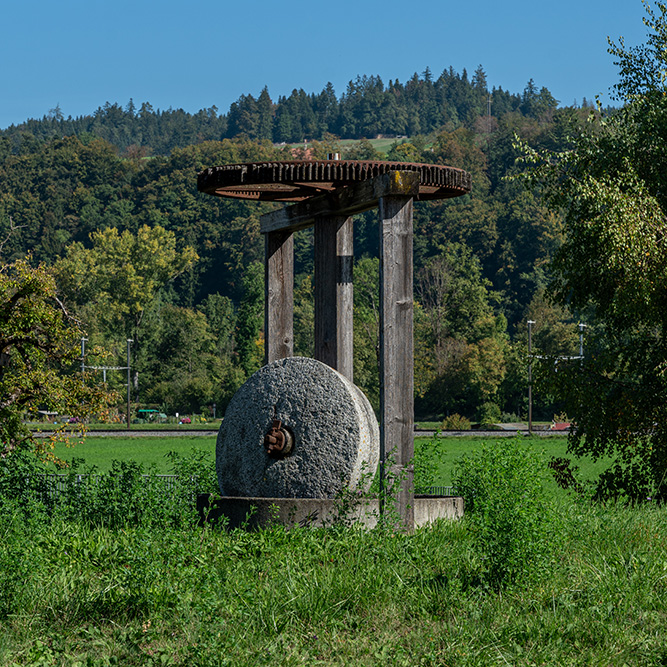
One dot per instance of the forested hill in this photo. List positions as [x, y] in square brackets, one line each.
[366, 109]
[111, 203]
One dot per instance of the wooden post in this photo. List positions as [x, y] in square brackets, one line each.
[334, 293]
[278, 296]
[396, 353]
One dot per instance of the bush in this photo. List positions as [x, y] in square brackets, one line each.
[488, 413]
[125, 495]
[506, 510]
[455, 422]
[427, 454]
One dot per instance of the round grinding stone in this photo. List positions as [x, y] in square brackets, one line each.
[336, 434]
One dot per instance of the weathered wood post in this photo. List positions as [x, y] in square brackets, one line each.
[278, 296]
[334, 293]
[397, 344]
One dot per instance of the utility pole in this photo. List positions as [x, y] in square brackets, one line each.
[129, 342]
[581, 340]
[530, 376]
[83, 352]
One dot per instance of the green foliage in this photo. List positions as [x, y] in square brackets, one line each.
[460, 344]
[507, 512]
[122, 273]
[132, 168]
[611, 186]
[367, 108]
[250, 320]
[39, 346]
[488, 413]
[73, 593]
[304, 317]
[367, 328]
[427, 454]
[185, 370]
[125, 495]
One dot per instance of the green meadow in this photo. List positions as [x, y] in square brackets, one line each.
[151, 452]
[124, 576]
[148, 451]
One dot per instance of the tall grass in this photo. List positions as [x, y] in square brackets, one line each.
[95, 595]
[143, 590]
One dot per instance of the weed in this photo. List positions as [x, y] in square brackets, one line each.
[506, 509]
[427, 454]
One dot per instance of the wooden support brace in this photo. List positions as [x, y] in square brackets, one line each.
[344, 201]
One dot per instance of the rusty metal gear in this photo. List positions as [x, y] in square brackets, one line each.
[300, 179]
[279, 440]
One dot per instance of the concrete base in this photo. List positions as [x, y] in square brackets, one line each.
[255, 513]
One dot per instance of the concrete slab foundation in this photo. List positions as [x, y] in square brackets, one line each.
[253, 513]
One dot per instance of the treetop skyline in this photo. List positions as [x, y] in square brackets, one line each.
[179, 58]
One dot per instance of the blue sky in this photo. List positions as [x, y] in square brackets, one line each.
[190, 55]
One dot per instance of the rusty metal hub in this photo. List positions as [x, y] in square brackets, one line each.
[279, 441]
[300, 179]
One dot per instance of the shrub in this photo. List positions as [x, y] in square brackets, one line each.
[488, 413]
[455, 422]
[427, 454]
[125, 495]
[506, 510]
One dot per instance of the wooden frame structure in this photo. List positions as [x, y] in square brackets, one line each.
[393, 195]
[327, 194]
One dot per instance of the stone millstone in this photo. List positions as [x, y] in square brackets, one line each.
[336, 434]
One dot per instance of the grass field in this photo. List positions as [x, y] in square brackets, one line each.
[381, 145]
[146, 450]
[116, 579]
[73, 594]
[151, 451]
[450, 449]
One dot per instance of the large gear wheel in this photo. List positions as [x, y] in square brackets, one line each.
[300, 179]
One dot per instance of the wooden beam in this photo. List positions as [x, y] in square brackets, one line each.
[334, 293]
[278, 296]
[345, 201]
[396, 354]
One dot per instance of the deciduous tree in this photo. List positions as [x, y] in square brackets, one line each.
[39, 354]
[613, 189]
